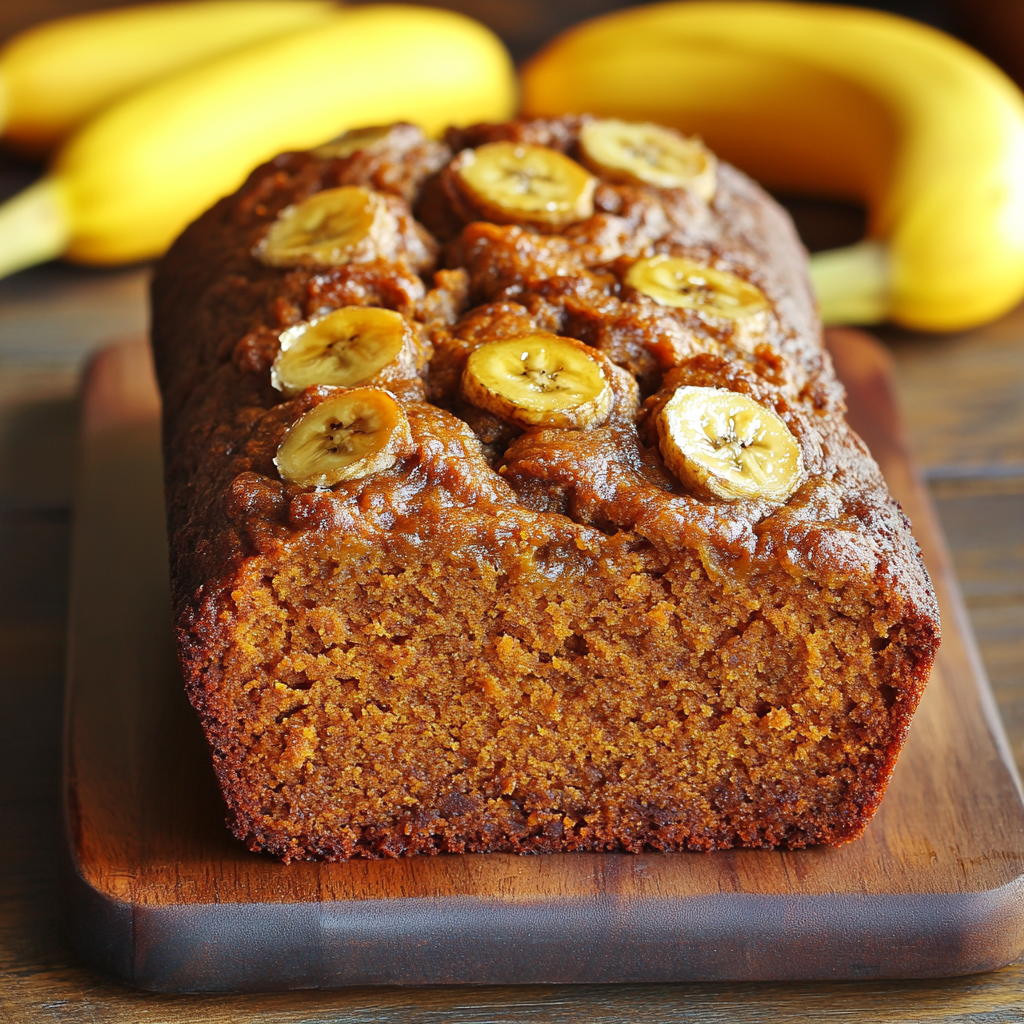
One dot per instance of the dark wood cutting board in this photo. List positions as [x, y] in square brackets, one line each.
[160, 895]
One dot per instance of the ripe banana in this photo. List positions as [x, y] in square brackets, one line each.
[510, 181]
[540, 380]
[125, 185]
[344, 349]
[725, 445]
[55, 76]
[835, 102]
[347, 435]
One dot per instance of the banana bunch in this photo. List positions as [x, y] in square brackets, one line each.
[126, 183]
[57, 75]
[839, 103]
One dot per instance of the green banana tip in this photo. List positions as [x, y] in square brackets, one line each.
[33, 227]
[853, 284]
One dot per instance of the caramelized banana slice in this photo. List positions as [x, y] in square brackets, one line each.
[509, 181]
[540, 380]
[349, 435]
[352, 141]
[686, 284]
[726, 445]
[715, 295]
[648, 153]
[343, 349]
[330, 228]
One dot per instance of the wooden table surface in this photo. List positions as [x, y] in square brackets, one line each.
[963, 402]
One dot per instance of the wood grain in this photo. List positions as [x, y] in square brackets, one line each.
[934, 887]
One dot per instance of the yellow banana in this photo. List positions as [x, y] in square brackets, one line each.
[835, 102]
[55, 76]
[124, 186]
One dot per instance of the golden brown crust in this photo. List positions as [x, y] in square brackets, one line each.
[531, 640]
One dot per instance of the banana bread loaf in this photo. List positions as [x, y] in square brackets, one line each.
[512, 506]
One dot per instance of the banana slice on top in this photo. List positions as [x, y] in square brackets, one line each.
[520, 182]
[540, 380]
[687, 284]
[347, 436]
[715, 295]
[352, 141]
[330, 228]
[344, 349]
[395, 138]
[726, 445]
[650, 154]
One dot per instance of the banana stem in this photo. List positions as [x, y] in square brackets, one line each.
[33, 227]
[853, 284]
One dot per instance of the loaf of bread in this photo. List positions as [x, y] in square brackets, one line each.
[512, 506]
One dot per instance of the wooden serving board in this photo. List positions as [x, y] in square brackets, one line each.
[161, 896]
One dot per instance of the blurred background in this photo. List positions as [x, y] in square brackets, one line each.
[996, 27]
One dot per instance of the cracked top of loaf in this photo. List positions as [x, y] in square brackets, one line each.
[462, 275]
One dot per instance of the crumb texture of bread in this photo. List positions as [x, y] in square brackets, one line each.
[526, 639]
